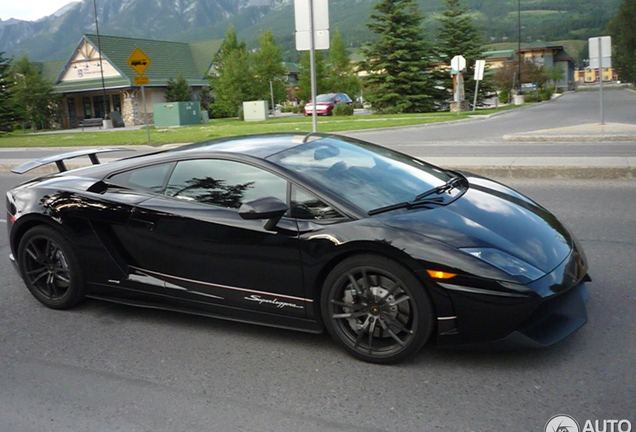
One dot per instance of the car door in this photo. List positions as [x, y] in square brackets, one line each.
[193, 238]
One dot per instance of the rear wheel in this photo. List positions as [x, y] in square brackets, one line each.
[50, 268]
[376, 309]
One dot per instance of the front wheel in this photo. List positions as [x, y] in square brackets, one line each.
[376, 309]
[50, 268]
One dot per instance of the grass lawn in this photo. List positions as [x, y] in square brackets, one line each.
[218, 128]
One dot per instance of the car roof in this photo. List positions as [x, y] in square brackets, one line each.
[254, 146]
[259, 146]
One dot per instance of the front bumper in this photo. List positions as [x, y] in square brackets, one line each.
[554, 309]
[552, 322]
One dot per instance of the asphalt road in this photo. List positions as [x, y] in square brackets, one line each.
[106, 367]
[570, 109]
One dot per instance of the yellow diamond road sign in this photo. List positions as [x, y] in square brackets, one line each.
[139, 61]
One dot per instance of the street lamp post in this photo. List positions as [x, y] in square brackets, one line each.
[519, 46]
[101, 64]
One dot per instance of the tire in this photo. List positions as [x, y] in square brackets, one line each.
[376, 309]
[50, 269]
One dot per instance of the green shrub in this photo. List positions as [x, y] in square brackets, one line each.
[342, 109]
[504, 96]
[531, 97]
[546, 93]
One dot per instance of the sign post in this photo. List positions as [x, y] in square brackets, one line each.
[603, 47]
[480, 65]
[458, 64]
[312, 33]
[139, 62]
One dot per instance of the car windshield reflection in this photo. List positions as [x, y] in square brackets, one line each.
[367, 176]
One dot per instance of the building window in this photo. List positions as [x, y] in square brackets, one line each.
[117, 103]
[72, 115]
[99, 106]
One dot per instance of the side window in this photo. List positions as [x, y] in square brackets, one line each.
[151, 177]
[223, 183]
[307, 206]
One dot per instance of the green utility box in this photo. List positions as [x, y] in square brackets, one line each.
[177, 113]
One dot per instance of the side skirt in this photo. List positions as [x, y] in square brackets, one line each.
[172, 304]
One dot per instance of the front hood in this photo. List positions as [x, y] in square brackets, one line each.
[489, 215]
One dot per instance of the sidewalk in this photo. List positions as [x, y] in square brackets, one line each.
[557, 167]
[500, 167]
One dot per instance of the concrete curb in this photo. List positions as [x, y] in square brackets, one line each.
[567, 138]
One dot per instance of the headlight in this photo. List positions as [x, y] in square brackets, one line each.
[503, 261]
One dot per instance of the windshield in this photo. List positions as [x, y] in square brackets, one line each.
[364, 174]
[325, 98]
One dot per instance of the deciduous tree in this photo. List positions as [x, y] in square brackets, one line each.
[34, 97]
[269, 68]
[341, 76]
[232, 78]
[304, 76]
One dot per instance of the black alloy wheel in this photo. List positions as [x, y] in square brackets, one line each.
[50, 268]
[376, 309]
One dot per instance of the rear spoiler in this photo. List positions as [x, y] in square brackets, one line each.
[59, 159]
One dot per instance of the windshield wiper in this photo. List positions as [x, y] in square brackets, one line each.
[407, 205]
[420, 200]
[452, 183]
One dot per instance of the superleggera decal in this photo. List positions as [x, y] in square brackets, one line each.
[279, 304]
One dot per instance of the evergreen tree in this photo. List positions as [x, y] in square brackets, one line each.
[398, 62]
[304, 76]
[232, 78]
[269, 67]
[623, 31]
[178, 90]
[33, 96]
[458, 35]
[7, 108]
[341, 76]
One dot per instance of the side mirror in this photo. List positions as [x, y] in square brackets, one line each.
[269, 208]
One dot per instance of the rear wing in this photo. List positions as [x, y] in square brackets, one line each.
[59, 159]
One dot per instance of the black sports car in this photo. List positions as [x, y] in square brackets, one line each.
[303, 232]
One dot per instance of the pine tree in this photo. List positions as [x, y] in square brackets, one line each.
[304, 76]
[232, 78]
[458, 35]
[7, 108]
[178, 90]
[341, 76]
[398, 63]
[623, 31]
[269, 67]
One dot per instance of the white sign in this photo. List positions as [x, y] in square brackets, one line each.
[480, 65]
[600, 46]
[321, 40]
[458, 63]
[303, 14]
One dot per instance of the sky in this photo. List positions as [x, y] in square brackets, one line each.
[29, 10]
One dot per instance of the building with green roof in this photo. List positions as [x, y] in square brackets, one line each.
[88, 76]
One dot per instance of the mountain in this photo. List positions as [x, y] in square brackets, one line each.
[55, 36]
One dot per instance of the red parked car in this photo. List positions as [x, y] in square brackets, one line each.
[325, 103]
